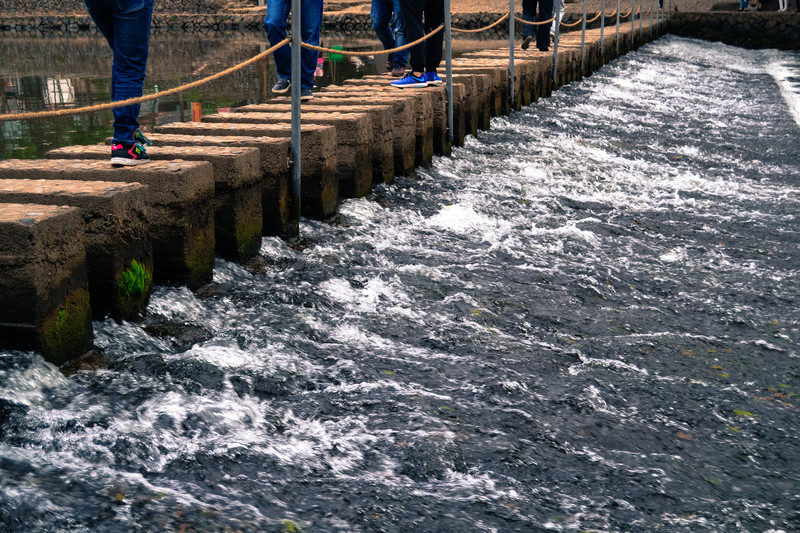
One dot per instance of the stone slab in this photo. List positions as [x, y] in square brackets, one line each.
[44, 281]
[116, 235]
[237, 190]
[320, 183]
[179, 198]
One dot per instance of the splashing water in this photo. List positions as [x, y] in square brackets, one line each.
[586, 319]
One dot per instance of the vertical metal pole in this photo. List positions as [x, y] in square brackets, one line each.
[583, 40]
[633, 22]
[641, 16]
[555, 46]
[652, 6]
[511, 36]
[448, 55]
[602, 28]
[296, 72]
[619, 6]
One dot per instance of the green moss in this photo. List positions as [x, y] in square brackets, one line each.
[248, 240]
[200, 257]
[133, 291]
[67, 332]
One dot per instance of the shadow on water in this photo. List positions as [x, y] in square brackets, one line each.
[47, 73]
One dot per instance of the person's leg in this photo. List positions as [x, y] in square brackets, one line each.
[528, 14]
[542, 30]
[275, 25]
[411, 14]
[103, 18]
[401, 57]
[311, 22]
[434, 17]
[128, 69]
[382, 18]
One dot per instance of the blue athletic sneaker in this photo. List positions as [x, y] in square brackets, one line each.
[433, 78]
[410, 81]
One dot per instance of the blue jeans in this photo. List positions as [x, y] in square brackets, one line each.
[126, 26]
[541, 31]
[383, 13]
[310, 26]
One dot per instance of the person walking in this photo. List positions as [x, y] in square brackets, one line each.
[388, 27]
[125, 24]
[783, 5]
[529, 13]
[310, 26]
[420, 17]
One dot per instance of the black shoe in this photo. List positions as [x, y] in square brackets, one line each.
[282, 86]
[526, 42]
[128, 155]
[306, 94]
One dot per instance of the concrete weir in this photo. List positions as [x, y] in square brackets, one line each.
[217, 186]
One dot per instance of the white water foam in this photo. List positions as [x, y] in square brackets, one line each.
[782, 71]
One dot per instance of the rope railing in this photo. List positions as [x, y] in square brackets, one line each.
[270, 50]
[490, 26]
[372, 52]
[146, 98]
[529, 23]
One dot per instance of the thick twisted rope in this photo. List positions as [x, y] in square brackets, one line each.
[534, 23]
[141, 99]
[490, 26]
[372, 52]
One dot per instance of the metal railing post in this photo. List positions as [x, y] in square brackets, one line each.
[583, 40]
[296, 72]
[641, 16]
[555, 46]
[602, 29]
[652, 6]
[619, 6]
[511, 36]
[448, 58]
[633, 23]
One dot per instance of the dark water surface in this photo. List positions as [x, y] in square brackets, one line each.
[587, 319]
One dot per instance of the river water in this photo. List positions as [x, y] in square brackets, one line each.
[586, 319]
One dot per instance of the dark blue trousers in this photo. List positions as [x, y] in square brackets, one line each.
[126, 26]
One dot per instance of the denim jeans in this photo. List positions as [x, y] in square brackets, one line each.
[310, 26]
[126, 26]
[385, 15]
[420, 17]
[541, 31]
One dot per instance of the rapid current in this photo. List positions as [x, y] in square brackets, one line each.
[586, 319]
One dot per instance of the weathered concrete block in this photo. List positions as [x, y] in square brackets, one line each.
[179, 198]
[403, 114]
[319, 183]
[119, 252]
[498, 86]
[353, 143]
[380, 118]
[275, 177]
[422, 105]
[237, 190]
[44, 281]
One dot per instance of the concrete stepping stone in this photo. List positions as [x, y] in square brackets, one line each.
[44, 281]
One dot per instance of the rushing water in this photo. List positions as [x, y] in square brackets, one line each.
[587, 319]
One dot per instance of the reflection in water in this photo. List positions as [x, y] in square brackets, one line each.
[53, 73]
